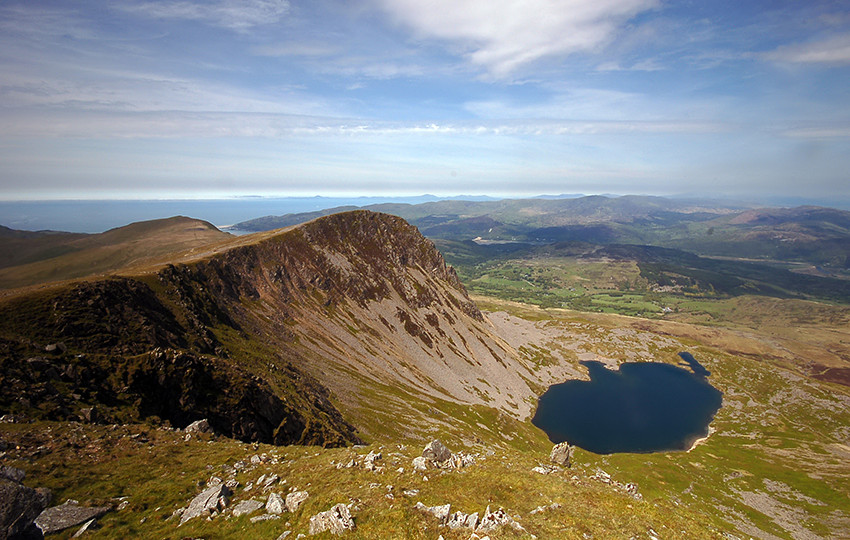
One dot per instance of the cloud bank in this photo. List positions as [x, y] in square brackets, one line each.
[502, 35]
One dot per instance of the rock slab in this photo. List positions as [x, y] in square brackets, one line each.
[247, 507]
[66, 515]
[208, 502]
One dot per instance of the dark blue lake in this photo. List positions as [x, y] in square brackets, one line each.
[643, 407]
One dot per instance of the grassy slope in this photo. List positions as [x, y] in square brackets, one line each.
[126, 247]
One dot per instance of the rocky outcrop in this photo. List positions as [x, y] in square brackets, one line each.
[436, 455]
[459, 520]
[561, 454]
[436, 452]
[337, 520]
[494, 520]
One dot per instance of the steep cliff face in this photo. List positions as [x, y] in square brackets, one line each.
[355, 310]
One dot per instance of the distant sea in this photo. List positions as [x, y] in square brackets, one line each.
[94, 216]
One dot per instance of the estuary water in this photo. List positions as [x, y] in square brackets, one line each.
[642, 407]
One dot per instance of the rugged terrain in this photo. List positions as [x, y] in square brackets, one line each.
[351, 328]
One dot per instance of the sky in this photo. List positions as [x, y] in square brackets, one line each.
[221, 98]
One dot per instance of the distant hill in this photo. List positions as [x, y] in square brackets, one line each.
[37, 257]
[815, 235]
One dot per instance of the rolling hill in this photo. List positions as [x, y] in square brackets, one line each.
[40, 257]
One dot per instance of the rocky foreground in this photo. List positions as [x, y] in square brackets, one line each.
[166, 483]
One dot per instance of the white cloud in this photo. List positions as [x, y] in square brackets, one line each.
[835, 50]
[502, 35]
[238, 15]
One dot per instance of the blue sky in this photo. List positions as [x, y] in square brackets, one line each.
[183, 98]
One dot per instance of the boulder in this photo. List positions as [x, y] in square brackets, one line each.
[211, 501]
[199, 426]
[247, 507]
[275, 504]
[369, 461]
[561, 454]
[436, 452]
[337, 520]
[420, 464]
[66, 515]
[294, 500]
[19, 505]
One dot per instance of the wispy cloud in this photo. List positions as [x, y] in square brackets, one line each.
[238, 15]
[834, 50]
[502, 35]
[295, 49]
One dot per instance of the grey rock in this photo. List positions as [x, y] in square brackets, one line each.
[337, 520]
[247, 507]
[275, 504]
[294, 500]
[369, 461]
[440, 512]
[208, 502]
[459, 520]
[19, 506]
[12, 473]
[436, 452]
[420, 464]
[561, 454]
[66, 515]
[199, 426]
